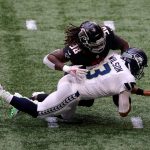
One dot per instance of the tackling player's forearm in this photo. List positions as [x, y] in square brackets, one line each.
[122, 44]
[55, 60]
[52, 62]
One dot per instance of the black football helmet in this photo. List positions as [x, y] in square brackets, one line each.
[92, 36]
[135, 60]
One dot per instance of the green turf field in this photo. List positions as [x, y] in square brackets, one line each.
[22, 70]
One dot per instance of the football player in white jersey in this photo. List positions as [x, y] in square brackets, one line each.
[114, 75]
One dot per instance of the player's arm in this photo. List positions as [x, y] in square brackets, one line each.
[116, 42]
[55, 60]
[124, 103]
[124, 99]
[120, 43]
[139, 91]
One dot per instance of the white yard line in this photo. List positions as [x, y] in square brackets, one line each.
[137, 122]
[31, 25]
[110, 24]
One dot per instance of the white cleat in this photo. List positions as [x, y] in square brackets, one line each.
[1, 87]
[1, 90]
[5, 94]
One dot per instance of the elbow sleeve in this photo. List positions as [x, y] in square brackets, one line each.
[48, 63]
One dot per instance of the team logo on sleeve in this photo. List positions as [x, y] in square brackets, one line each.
[67, 55]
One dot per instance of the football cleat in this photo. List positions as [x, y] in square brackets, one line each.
[1, 89]
[4, 94]
[14, 111]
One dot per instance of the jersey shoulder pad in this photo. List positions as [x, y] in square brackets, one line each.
[107, 31]
[67, 52]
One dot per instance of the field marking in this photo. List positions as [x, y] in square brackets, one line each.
[110, 24]
[137, 122]
[52, 122]
[31, 24]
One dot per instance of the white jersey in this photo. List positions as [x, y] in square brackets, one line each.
[110, 77]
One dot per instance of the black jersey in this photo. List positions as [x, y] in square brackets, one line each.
[82, 56]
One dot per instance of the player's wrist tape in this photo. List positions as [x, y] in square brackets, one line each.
[140, 91]
[66, 68]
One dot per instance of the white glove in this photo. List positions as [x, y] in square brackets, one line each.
[75, 70]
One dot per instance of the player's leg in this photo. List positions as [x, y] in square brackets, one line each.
[59, 101]
[66, 116]
[38, 97]
[41, 97]
[55, 104]
[22, 104]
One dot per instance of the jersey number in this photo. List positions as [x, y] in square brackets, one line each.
[98, 72]
[75, 49]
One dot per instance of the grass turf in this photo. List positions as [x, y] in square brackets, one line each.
[21, 70]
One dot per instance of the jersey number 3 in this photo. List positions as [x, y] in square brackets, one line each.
[98, 72]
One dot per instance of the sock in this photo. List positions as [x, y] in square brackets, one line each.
[25, 105]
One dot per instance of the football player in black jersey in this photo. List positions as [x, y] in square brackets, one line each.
[86, 45]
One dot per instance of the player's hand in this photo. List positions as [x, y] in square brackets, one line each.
[75, 70]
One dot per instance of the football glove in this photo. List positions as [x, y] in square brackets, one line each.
[75, 70]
